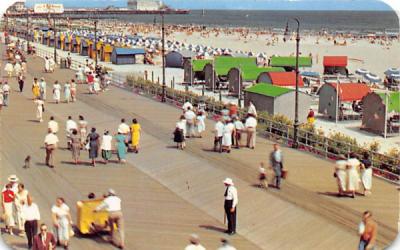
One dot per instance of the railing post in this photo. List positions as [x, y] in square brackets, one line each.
[152, 76]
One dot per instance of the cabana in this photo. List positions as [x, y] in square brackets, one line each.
[67, 43]
[175, 59]
[52, 40]
[349, 94]
[59, 41]
[283, 79]
[95, 49]
[84, 47]
[221, 67]
[194, 70]
[335, 65]
[380, 109]
[239, 78]
[289, 62]
[277, 100]
[76, 45]
[125, 56]
[106, 51]
[45, 38]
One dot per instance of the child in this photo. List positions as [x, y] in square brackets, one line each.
[262, 176]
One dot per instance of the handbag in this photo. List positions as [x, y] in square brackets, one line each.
[87, 146]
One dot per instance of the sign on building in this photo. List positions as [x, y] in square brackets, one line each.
[43, 8]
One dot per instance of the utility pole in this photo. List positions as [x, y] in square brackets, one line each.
[95, 43]
[55, 41]
[27, 30]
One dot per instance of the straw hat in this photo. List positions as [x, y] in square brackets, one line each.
[228, 181]
[194, 238]
[13, 178]
[111, 191]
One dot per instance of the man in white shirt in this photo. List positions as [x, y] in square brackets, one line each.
[239, 127]
[251, 126]
[123, 128]
[112, 204]
[6, 92]
[50, 143]
[194, 243]
[252, 109]
[219, 132]
[31, 216]
[231, 201]
[187, 105]
[52, 125]
[190, 117]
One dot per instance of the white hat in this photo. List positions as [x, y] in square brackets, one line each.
[228, 181]
[194, 238]
[13, 178]
[111, 191]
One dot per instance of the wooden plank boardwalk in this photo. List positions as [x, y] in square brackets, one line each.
[168, 194]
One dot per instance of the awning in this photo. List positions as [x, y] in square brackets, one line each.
[285, 79]
[351, 91]
[335, 61]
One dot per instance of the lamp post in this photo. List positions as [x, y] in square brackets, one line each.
[163, 98]
[55, 37]
[95, 44]
[296, 111]
[27, 31]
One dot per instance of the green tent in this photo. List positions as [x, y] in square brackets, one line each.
[198, 65]
[290, 61]
[252, 73]
[224, 63]
[394, 101]
[268, 90]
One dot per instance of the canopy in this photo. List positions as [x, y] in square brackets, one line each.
[127, 51]
[290, 61]
[335, 61]
[351, 91]
[285, 79]
[392, 71]
[268, 90]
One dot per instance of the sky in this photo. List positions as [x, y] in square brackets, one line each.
[239, 4]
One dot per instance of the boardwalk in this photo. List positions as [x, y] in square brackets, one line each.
[168, 194]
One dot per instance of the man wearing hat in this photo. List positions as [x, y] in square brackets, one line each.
[112, 204]
[194, 243]
[231, 201]
[226, 245]
[13, 181]
[42, 86]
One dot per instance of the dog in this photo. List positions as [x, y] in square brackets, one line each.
[27, 162]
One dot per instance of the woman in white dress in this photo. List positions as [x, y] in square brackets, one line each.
[73, 91]
[366, 173]
[39, 109]
[353, 177]
[82, 126]
[80, 75]
[61, 221]
[17, 69]
[229, 129]
[96, 85]
[67, 92]
[9, 68]
[340, 175]
[20, 200]
[46, 65]
[57, 92]
[200, 122]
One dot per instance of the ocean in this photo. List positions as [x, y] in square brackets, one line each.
[268, 19]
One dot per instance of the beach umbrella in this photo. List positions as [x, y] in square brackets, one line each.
[373, 78]
[362, 72]
[392, 71]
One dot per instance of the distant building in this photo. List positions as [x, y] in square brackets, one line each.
[144, 4]
[18, 6]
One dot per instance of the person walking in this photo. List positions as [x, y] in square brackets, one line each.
[276, 159]
[31, 215]
[93, 140]
[200, 123]
[251, 128]
[252, 110]
[194, 243]
[8, 198]
[47, 68]
[136, 130]
[228, 130]
[1, 97]
[226, 245]
[190, 118]
[21, 82]
[106, 147]
[73, 90]
[39, 109]
[20, 200]
[368, 231]
[239, 128]
[112, 204]
[353, 178]
[218, 134]
[341, 174]
[67, 92]
[75, 146]
[121, 147]
[44, 240]
[366, 173]
[35, 89]
[62, 221]
[82, 127]
[43, 89]
[6, 93]
[52, 125]
[230, 205]
[70, 125]
[50, 144]
[56, 92]
[9, 68]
